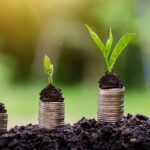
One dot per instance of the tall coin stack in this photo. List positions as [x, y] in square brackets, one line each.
[3, 119]
[51, 115]
[110, 105]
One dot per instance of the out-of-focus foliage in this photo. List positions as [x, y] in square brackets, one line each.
[31, 28]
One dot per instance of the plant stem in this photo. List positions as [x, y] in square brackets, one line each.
[50, 79]
[107, 64]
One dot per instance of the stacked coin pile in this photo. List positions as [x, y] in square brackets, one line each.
[51, 115]
[110, 105]
[3, 122]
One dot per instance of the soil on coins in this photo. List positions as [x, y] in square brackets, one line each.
[51, 94]
[2, 108]
[110, 80]
[133, 133]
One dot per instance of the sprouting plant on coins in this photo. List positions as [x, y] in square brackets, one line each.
[48, 67]
[121, 45]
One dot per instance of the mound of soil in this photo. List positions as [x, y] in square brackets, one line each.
[110, 80]
[51, 94]
[133, 133]
[2, 108]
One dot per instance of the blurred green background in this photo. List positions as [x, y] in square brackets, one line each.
[31, 28]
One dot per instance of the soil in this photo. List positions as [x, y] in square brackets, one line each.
[110, 80]
[2, 108]
[133, 133]
[51, 94]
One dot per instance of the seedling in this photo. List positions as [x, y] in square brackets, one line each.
[48, 69]
[121, 45]
[51, 103]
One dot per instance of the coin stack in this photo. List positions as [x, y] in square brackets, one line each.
[3, 118]
[51, 115]
[110, 105]
[3, 122]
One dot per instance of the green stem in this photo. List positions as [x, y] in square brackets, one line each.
[107, 64]
[50, 79]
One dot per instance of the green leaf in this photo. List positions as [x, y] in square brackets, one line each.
[109, 43]
[97, 40]
[46, 63]
[48, 68]
[122, 43]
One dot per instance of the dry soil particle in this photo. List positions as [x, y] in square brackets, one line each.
[2, 108]
[133, 133]
[110, 80]
[51, 94]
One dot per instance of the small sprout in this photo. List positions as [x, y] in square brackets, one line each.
[121, 45]
[48, 67]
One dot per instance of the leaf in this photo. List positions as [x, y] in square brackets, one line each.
[109, 43]
[97, 40]
[48, 68]
[47, 64]
[122, 43]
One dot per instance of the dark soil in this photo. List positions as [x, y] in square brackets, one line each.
[110, 80]
[51, 94]
[2, 108]
[133, 133]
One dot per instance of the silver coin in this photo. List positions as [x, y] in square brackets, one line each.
[3, 122]
[3, 130]
[3, 117]
[3, 114]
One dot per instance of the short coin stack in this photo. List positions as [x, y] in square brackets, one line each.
[110, 105]
[3, 118]
[51, 115]
[3, 122]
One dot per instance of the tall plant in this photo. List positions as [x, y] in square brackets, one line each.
[105, 49]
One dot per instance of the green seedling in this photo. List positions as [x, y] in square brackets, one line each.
[121, 45]
[48, 67]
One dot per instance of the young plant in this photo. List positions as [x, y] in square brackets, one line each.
[121, 45]
[48, 67]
